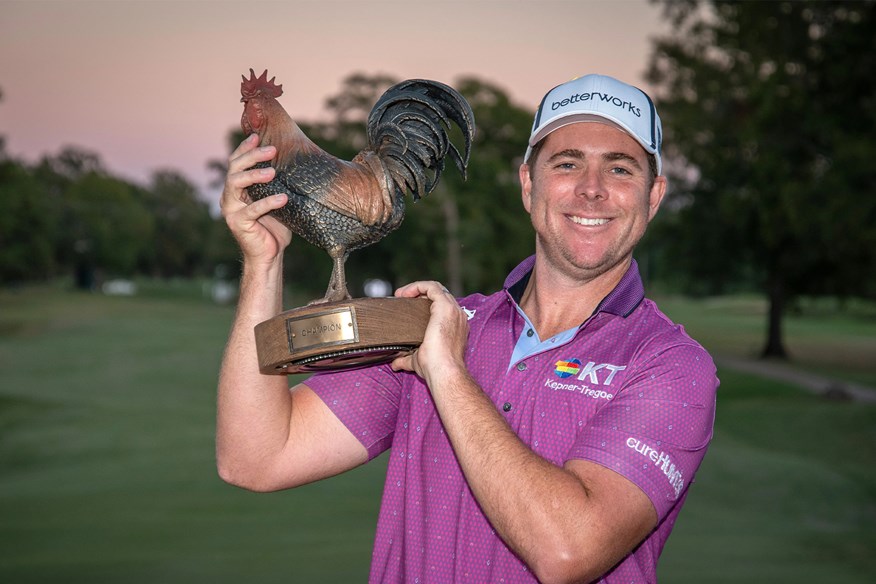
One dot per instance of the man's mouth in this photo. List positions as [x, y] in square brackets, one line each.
[588, 221]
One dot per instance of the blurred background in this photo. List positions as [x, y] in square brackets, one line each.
[118, 278]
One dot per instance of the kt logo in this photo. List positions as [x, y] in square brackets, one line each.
[592, 372]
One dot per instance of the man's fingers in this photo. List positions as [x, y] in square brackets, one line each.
[245, 178]
[404, 363]
[248, 144]
[244, 216]
[234, 196]
[250, 158]
[257, 209]
[430, 289]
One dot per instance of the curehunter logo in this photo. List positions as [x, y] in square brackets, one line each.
[661, 460]
[605, 97]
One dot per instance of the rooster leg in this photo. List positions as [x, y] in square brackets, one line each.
[337, 289]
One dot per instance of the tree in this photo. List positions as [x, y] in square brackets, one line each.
[769, 110]
[181, 226]
[28, 225]
[104, 224]
[110, 225]
[495, 230]
[2, 138]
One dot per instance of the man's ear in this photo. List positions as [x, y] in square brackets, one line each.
[526, 186]
[655, 197]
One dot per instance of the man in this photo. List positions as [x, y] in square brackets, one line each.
[549, 431]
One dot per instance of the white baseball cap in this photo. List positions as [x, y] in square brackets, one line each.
[599, 98]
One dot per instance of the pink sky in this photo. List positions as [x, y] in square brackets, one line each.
[153, 85]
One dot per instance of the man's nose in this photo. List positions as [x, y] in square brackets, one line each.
[591, 184]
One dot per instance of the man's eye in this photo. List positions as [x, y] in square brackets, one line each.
[620, 170]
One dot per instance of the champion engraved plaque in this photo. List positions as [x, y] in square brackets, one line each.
[325, 329]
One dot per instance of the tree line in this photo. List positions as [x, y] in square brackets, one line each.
[68, 216]
[769, 112]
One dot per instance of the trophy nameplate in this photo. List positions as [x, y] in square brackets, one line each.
[341, 335]
[326, 328]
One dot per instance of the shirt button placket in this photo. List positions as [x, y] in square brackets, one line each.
[507, 407]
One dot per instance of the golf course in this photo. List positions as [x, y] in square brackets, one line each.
[107, 472]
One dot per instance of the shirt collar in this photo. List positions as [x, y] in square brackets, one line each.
[621, 301]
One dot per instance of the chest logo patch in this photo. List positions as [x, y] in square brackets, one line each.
[567, 368]
[592, 374]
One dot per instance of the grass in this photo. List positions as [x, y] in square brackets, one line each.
[107, 471]
[106, 450]
[787, 492]
[821, 336]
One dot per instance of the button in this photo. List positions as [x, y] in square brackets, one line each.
[530, 332]
[507, 406]
[521, 367]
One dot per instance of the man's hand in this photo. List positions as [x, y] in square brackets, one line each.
[443, 348]
[261, 237]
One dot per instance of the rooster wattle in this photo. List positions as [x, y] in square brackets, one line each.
[343, 205]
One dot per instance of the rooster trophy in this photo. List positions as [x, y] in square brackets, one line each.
[341, 206]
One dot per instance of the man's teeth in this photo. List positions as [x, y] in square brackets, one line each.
[586, 221]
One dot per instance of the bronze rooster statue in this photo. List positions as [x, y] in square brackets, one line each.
[341, 206]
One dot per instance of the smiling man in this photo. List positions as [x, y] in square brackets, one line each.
[547, 432]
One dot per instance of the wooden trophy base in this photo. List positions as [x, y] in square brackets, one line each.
[341, 335]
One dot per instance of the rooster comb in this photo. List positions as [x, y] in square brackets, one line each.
[255, 86]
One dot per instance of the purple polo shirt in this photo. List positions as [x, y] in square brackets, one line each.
[630, 391]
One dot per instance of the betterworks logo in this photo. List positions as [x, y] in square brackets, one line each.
[567, 368]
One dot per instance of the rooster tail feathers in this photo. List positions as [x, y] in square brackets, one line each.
[408, 129]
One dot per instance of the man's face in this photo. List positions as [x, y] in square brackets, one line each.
[588, 197]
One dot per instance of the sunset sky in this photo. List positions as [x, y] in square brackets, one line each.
[154, 85]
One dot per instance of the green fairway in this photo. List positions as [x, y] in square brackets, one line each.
[107, 469]
[106, 449]
[822, 336]
[787, 492]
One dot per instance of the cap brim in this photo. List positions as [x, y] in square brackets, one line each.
[576, 118]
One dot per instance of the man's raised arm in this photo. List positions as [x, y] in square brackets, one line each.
[268, 437]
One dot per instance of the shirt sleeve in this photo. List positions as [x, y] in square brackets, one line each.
[655, 431]
[365, 400]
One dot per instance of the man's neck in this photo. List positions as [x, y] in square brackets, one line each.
[555, 302]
